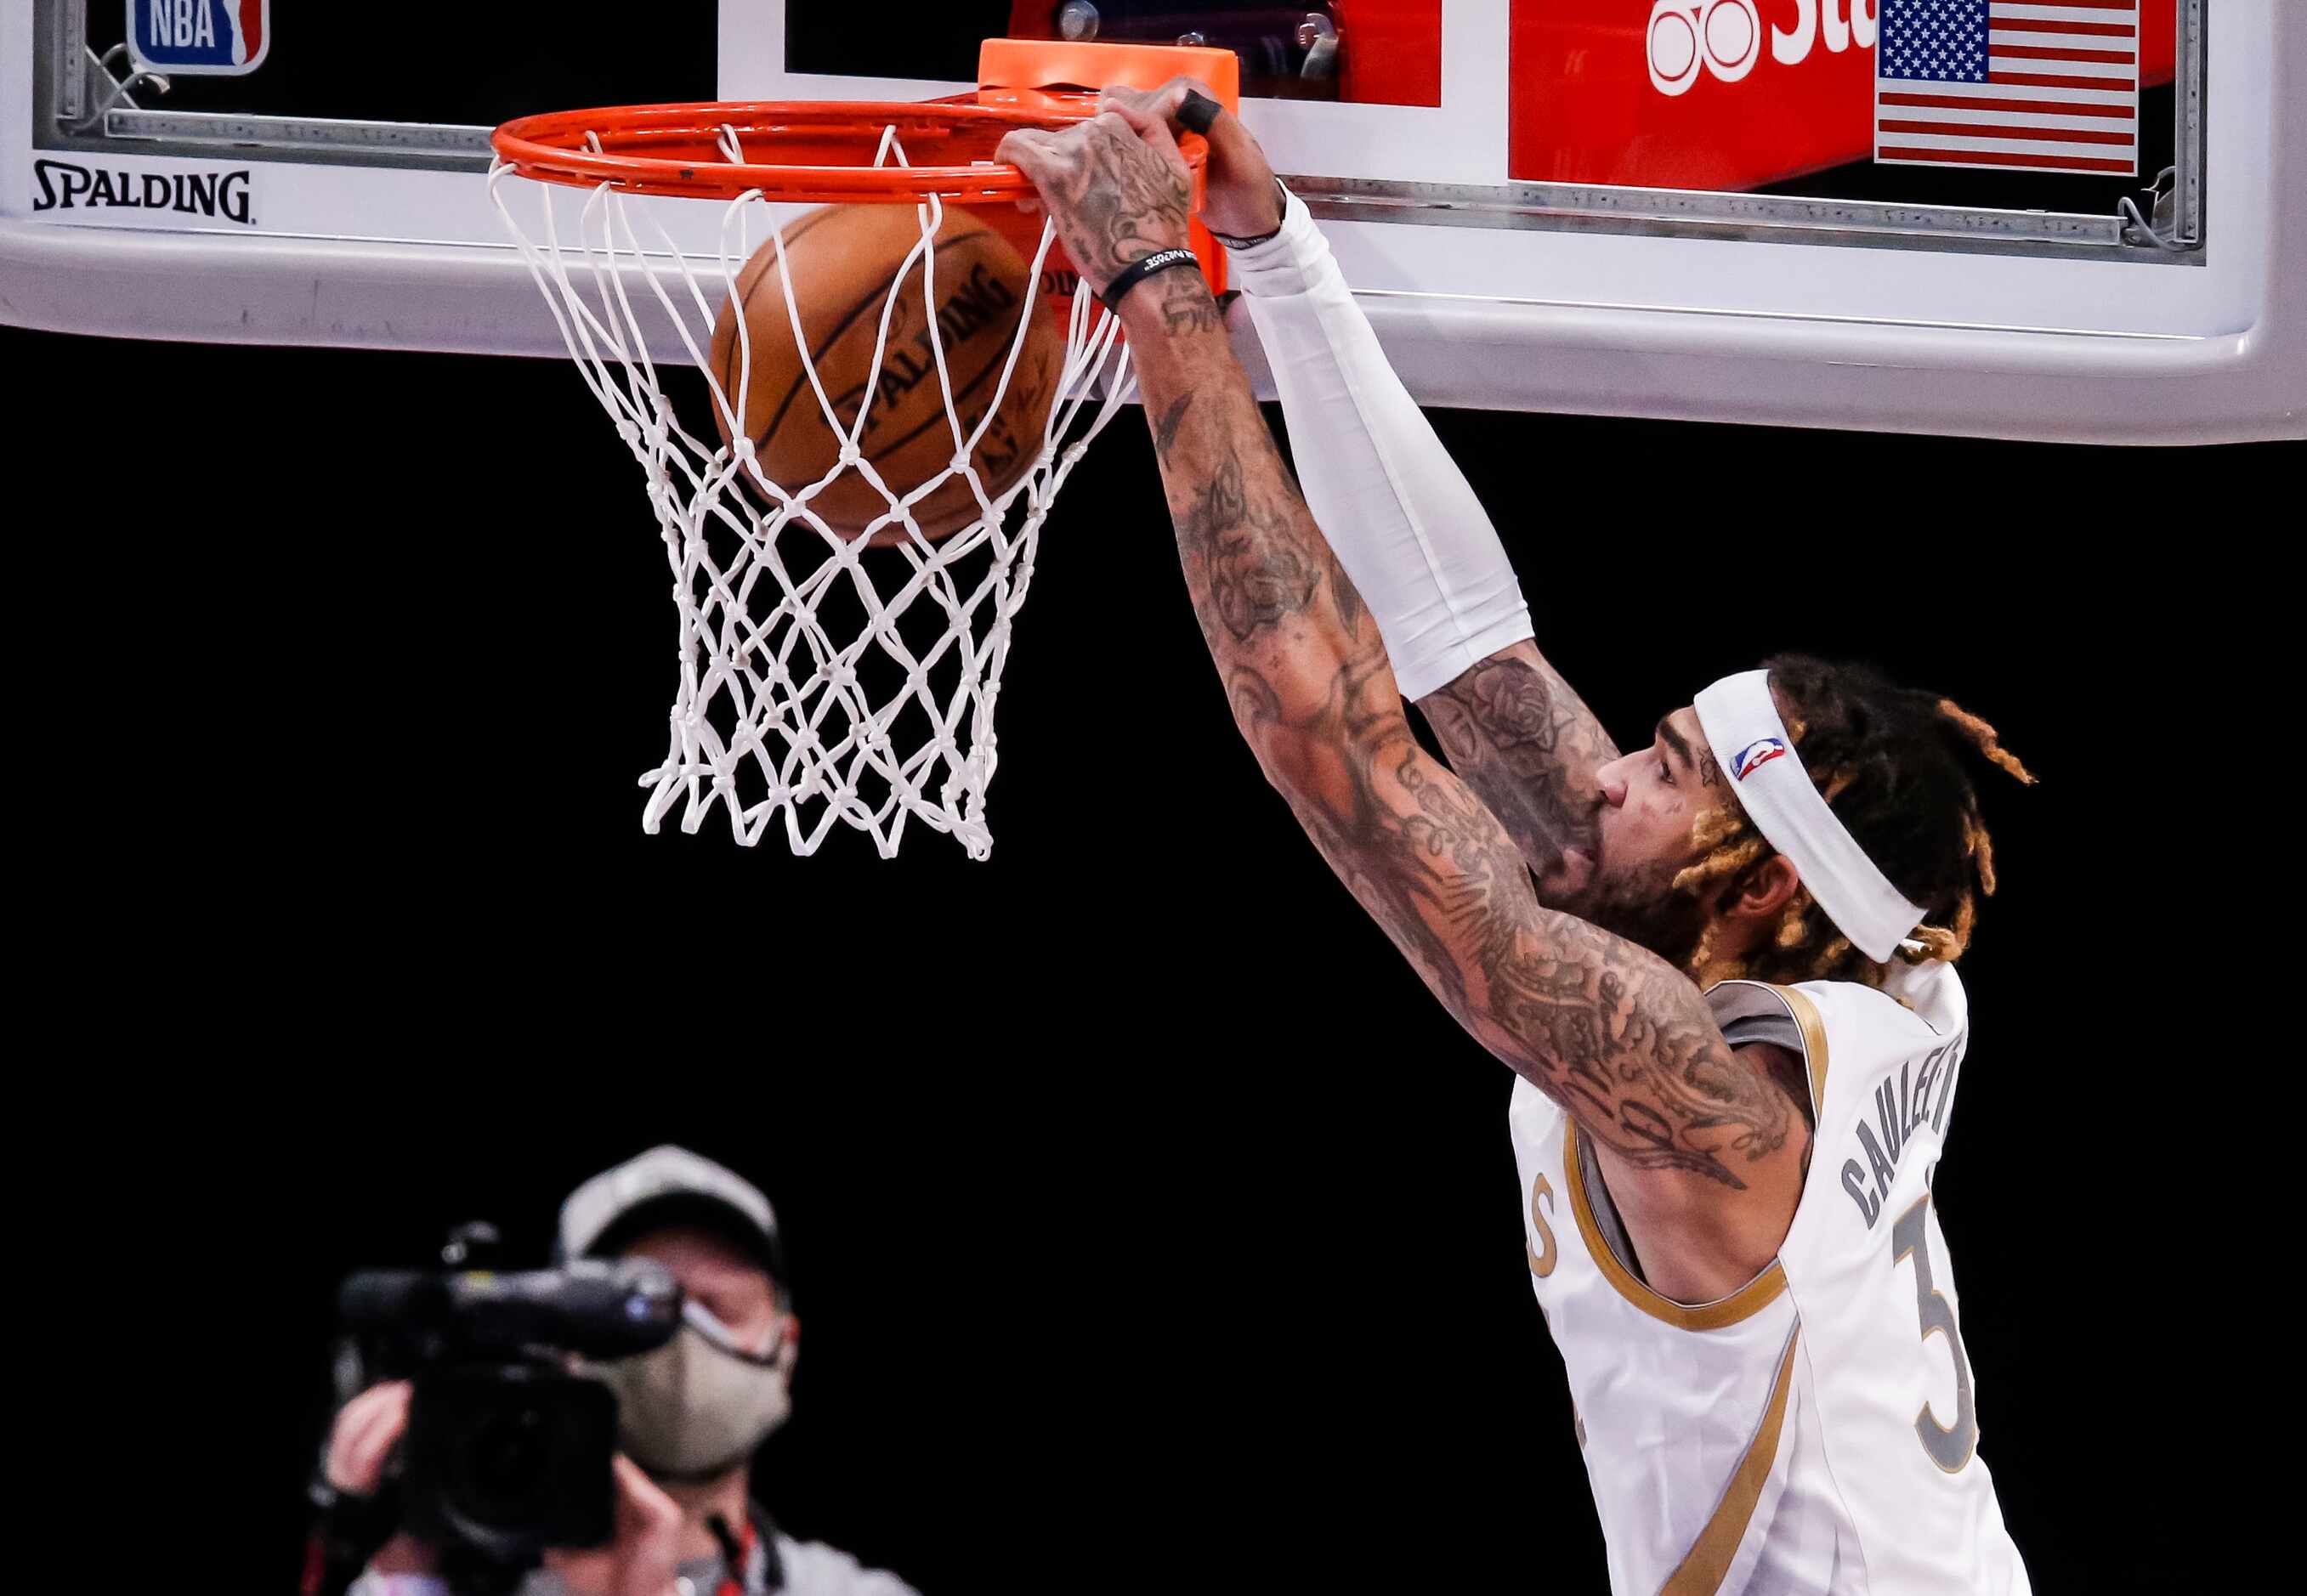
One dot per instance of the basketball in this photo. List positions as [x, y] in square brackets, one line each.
[846, 262]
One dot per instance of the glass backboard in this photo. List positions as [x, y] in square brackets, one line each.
[1972, 216]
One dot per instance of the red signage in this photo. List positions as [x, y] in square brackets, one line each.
[1709, 94]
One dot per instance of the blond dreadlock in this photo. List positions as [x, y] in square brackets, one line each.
[1891, 764]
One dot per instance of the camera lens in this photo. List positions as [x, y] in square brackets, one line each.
[509, 1458]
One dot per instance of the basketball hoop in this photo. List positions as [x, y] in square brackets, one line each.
[821, 678]
[800, 152]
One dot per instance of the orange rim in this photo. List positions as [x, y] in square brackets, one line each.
[809, 152]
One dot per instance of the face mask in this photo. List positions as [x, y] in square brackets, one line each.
[698, 1405]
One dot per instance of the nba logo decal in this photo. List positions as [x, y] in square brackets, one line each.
[223, 37]
[1754, 755]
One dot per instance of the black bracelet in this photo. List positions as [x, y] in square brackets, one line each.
[1281, 199]
[1137, 271]
[1197, 111]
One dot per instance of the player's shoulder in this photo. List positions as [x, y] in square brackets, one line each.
[813, 1568]
[1917, 1008]
[1925, 1001]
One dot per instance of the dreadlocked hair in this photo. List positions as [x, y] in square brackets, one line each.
[1894, 765]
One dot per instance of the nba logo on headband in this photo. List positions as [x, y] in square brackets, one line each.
[1755, 755]
[1738, 713]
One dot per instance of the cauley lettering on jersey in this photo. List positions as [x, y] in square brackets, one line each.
[1920, 1095]
[1817, 1430]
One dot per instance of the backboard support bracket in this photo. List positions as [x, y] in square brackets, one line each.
[2189, 188]
[72, 64]
[435, 146]
[1753, 218]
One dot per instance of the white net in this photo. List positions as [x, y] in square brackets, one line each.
[821, 678]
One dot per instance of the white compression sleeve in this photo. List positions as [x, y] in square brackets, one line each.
[1397, 512]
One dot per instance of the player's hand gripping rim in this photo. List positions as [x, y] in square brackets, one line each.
[1116, 188]
[1241, 202]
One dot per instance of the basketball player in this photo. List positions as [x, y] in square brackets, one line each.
[1722, 963]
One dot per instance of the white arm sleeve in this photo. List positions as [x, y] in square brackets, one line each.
[1397, 512]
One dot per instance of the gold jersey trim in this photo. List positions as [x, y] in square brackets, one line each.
[1744, 1304]
[1814, 1035]
[1808, 1021]
[1707, 1564]
[1764, 1288]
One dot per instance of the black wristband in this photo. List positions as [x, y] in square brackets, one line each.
[1197, 111]
[1282, 202]
[1137, 271]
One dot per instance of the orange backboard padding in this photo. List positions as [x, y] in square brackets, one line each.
[1013, 73]
[1048, 62]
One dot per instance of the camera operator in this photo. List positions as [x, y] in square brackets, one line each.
[690, 1413]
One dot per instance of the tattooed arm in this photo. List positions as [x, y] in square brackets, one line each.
[1702, 1148]
[1527, 744]
[1403, 520]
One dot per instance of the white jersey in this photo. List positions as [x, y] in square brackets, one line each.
[1815, 1432]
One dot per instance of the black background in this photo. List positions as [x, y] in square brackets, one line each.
[1150, 1225]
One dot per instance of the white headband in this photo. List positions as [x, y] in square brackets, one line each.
[1752, 746]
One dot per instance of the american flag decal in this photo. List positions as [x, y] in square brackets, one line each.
[2034, 85]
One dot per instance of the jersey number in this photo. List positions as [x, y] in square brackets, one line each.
[1948, 1448]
